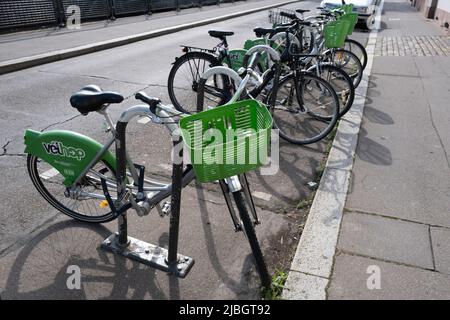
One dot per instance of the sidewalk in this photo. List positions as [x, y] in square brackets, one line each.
[379, 225]
[394, 241]
[22, 50]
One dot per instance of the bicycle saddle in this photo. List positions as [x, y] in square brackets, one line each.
[302, 11]
[92, 98]
[220, 34]
[261, 32]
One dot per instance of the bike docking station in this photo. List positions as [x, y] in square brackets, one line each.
[167, 260]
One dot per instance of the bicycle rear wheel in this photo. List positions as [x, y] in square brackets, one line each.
[84, 207]
[306, 108]
[249, 231]
[184, 78]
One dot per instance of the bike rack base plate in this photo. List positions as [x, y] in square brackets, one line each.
[148, 254]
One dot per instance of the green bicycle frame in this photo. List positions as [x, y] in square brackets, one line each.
[68, 152]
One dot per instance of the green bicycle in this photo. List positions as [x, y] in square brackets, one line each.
[81, 178]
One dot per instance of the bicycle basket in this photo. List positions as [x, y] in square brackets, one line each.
[276, 19]
[352, 18]
[335, 33]
[228, 140]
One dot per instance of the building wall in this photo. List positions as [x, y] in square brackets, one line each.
[441, 15]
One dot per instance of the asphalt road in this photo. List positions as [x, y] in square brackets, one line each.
[38, 243]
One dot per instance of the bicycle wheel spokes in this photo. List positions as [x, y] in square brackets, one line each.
[184, 78]
[350, 64]
[311, 115]
[358, 49]
[86, 204]
[186, 81]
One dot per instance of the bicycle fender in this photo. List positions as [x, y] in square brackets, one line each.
[237, 58]
[66, 151]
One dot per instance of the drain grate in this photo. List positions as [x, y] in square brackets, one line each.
[418, 46]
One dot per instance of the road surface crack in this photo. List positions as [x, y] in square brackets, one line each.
[60, 122]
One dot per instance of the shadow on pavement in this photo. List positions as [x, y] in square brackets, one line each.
[371, 151]
[44, 262]
[248, 264]
[376, 116]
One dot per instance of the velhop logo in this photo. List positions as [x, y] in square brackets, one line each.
[59, 149]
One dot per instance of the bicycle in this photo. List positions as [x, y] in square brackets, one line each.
[336, 55]
[186, 70]
[280, 17]
[304, 106]
[81, 178]
[314, 62]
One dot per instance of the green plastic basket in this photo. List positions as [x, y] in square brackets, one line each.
[352, 18]
[228, 140]
[335, 33]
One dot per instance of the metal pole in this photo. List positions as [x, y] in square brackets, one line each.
[177, 175]
[123, 230]
[60, 15]
[178, 5]
[121, 176]
[150, 7]
[112, 10]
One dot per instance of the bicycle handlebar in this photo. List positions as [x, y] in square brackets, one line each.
[152, 102]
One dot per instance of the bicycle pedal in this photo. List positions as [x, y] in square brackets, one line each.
[165, 209]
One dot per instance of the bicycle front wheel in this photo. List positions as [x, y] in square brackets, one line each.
[348, 62]
[358, 49]
[86, 204]
[306, 108]
[342, 85]
[249, 230]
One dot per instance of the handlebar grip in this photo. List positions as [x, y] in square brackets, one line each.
[152, 102]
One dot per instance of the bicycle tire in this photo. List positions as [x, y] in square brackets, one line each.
[348, 46]
[355, 71]
[345, 102]
[205, 61]
[249, 230]
[51, 197]
[330, 120]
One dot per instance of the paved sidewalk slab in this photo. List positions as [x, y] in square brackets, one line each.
[401, 169]
[396, 225]
[441, 248]
[350, 277]
[386, 239]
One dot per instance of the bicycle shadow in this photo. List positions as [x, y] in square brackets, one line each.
[42, 268]
[295, 168]
[241, 287]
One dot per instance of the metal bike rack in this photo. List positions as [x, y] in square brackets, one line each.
[167, 260]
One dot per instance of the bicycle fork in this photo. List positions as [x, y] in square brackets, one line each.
[237, 184]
